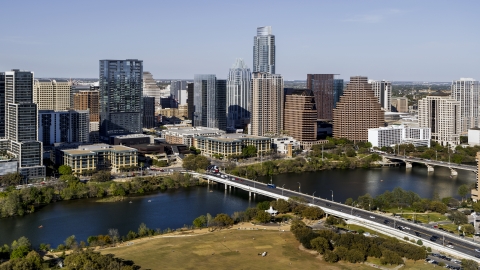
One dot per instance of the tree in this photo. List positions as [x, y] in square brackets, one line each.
[143, 230]
[280, 205]
[463, 190]
[312, 213]
[19, 252]
[263, 217]
[113, 233]
[65, 170]
[265, 205]
[194, 162]
[101, 176]
[320, 244]
[249, 151]
[71, 242]
[469, 264]
[11, 179]
[349, 201]
[330, 256]
[468, 229]
[458, 217]
[200, 221]
[223, 220]
[476, 206]
[419, 242]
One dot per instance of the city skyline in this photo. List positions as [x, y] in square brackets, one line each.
[413, 37]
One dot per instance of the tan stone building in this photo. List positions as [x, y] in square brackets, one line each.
[357, 111]
[185, 135]
[52, 94]
[401, 104]
[88, 100]
[300, 115]
[231, 144]
[267, 104]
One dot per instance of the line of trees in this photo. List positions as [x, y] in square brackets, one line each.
[355, 248]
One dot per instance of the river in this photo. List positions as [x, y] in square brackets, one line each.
[174, 208]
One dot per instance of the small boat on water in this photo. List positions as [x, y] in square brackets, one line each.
[41, 226]
[130, 202]
[211, 190]
[149, 200]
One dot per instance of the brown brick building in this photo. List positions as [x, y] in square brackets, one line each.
[88, 100]
[300, 114]
[357, 111]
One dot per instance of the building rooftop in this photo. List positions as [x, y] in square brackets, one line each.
[131, 136]
[230, 137]
[194, 131]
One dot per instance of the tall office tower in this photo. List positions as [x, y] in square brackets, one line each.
[21, 123]
[209, 98]
[442, 114]
[357, 111]
[337, 91]
[264, 50]
[238, 95]
[467, 91]
[148, 112]
[150, 87]
[400, 104]
[383, 91]
[69, 126]
[190, 103]
[176, 87]
[327, 91]
[77, 88]
[300, 115]
[88, 100]
[2, 105]
[52, 94]
[267, 104]
[120, 97]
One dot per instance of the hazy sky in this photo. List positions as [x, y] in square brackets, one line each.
[393, 40]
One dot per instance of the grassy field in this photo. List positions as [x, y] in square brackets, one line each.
[232, 249]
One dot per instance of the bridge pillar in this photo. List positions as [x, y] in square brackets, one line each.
[249, 194]
[226, 186]
[430, 168]
[453, 172]
[208, 181]
[408, 165]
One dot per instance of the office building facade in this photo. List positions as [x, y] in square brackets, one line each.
[52, 94]
[21, 123]
[88, 100]
[148, 112]
[209, 97]
[69, 126]
[357, 111]
[190, 102]
[383, 91]
[120, 97]
[300, 115]
[400, 134]
[267, 104]
[150, 87]
[441, 114]
[400, 104]
[327, 92]
[467, 91]
[264, 50]
[238, 95]
[2, 105]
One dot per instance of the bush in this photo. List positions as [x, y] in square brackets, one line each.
[419, 242]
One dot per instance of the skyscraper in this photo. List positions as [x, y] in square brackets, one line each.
[357, 111]
[300, 116]
[190, 102]
[21, 123]
[383, 91]
[467, 91]
[267, 104]
[2, 105]
[52, 94]
[264, 50]
[209, 98]
[238, 95]
[148, 112]
[69, 126]
[441, 114]
[88, 100]
[327, 91]
[120, 97]
[150, 87]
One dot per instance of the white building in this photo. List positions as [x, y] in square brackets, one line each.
[474, 136]
[383, 91]
[185, 135]
[285, 144]
[441, 114]
[52, 94]
[238, 95]
[63, 126]
[399, 134]
[466, 90]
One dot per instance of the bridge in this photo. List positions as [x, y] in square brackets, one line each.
[387, 225]
[429, 163]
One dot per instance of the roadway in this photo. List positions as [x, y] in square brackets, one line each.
[415, 231]
[431, 162]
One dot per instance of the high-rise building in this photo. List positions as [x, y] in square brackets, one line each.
[176, 87]
[21, 123]
[120, 97]
[150, 87]
[238, 95]
[264, 50]
[383, 91]
[467, 91]
[52, 94]
[357, 111]
[267, 104]
[327, 91]
[69, 126]
[400, 104]
[88, 100]
[148, 112]
[209, 101]
[190, 102]
[441, 114]
[2, 105]
[300, 116]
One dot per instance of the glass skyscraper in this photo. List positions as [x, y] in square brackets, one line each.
[120, 97]
[264, 50]
[209, 101]
[238, 95]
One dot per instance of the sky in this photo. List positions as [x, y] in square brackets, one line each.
[408, 40]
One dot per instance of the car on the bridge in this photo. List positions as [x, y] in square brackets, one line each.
[386, 221]
[477, 250]
[372, 217]
[417, 233]
[327, 204]
[450, 246]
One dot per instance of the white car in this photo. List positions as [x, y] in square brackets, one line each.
[406, 228]
[450, 246]
[372, 217]
[477, 250]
